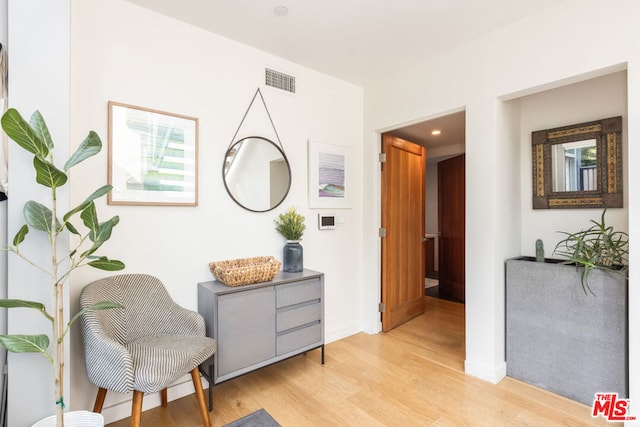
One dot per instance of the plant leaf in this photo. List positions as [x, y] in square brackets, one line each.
[103, 232]
[102, 235]
[40, 127]
[101, 305]
[25, 343]
[13, 303]
[19, 130]
[72, 228]
[89, 147]
[103, 263]
[90, 219]
[91, 250]
[105, 229]
[38, 216]
[104, 305]
[19, 303]
[47, 174]
[20, 235]
[96, 194]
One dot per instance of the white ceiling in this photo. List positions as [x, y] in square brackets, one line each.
[359, 41]
[354, 40]
[451, 127]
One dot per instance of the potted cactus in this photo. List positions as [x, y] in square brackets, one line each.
[34, 137]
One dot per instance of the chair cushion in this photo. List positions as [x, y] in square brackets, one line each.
[159, 360]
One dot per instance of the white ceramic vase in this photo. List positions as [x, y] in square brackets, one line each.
[74, 419]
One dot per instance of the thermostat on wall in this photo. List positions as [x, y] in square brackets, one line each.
[326, 221]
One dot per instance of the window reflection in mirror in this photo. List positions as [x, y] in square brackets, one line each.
[575, 166]
[256, 174]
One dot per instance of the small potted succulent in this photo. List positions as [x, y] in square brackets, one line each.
[290, 225]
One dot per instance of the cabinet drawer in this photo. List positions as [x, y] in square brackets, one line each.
[298, 316]
[299, 338]
[295, 293]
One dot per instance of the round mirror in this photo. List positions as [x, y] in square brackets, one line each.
[256, 174]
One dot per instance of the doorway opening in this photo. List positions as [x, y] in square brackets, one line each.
[442, 254]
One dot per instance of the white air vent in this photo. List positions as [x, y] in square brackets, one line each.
[279, 80]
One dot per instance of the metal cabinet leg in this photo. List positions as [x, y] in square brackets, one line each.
[211, 387]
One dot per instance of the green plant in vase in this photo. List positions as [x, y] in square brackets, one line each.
[598, 247]
[290, 225]
[34, 137]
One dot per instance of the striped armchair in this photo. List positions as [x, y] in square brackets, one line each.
[144, 347]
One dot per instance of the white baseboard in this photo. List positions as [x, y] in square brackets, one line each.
[341, 333]
[493, 374]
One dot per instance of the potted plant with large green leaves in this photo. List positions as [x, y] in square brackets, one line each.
[34, 137]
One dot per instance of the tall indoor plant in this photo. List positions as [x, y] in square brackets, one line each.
[34, 137]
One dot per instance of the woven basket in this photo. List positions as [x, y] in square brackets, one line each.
[243, 271]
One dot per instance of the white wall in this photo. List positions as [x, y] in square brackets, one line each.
[566, 43]
[125, 53]
[593, 99]
[3, 20]
[3, 215]
[39, 37]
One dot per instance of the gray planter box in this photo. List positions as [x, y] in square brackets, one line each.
[558, 338]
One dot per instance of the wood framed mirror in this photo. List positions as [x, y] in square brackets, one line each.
[578, 166]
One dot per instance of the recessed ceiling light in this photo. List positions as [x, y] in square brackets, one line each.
[280, 10]
[436, 132]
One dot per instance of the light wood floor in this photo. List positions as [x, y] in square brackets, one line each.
[410, 376]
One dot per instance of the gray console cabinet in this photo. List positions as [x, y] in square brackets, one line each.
[262, 323]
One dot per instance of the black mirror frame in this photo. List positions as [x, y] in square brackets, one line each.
[224, 180]
[608, 136]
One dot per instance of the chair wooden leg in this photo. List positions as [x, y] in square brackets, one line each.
[163, 397]
[97, 406]
[197, 385]
[136, 408]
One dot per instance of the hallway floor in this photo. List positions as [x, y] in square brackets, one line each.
[431, 288]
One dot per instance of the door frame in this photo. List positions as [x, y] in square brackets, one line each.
[372, 300]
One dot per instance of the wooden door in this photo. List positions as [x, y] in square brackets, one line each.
[403, 189]
[451, 211]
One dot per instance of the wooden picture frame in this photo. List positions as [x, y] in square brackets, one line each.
[329, 175]
[153, 157]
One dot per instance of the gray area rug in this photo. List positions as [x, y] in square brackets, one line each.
[259, 418]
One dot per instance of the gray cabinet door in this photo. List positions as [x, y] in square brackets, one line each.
[246, 329]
